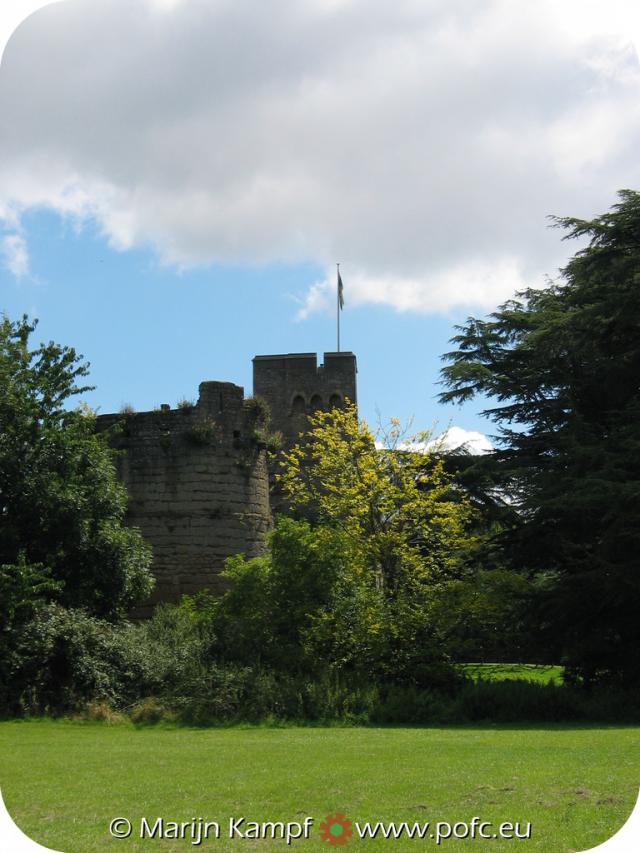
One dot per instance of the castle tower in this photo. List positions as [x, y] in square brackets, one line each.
[294, 386]
[198, 486]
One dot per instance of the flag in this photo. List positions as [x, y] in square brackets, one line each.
[340, 291]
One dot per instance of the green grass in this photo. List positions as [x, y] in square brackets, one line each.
[63, 781]
[510, 671]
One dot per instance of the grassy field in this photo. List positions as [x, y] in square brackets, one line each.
[64, 781]
[510, 671]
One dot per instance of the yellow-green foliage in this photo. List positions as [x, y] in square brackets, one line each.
[407, 528]
[392, 496]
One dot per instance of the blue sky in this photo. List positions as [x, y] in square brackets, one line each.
[178, 179]
[152, 333]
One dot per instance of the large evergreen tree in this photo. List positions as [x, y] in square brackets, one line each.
[563, 365]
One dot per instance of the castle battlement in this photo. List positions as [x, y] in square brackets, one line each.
[294, 385]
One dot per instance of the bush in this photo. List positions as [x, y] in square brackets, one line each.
[412, 706]
[268, 615]
[206, 432]
[151, 711]
[65, 659]
[505, 702]
[259, 407]
[102, 712]
[169, 668]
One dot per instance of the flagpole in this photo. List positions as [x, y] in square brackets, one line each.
[338, 302]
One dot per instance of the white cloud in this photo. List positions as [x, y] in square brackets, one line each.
[456, 437]
[421, 144]
[453, 438]
[15, 256]
[473, 284]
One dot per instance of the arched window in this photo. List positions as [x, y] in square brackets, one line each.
[316, 403]
[298, 406]
[335, 401]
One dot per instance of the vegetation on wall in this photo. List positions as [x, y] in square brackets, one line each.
[205, 432]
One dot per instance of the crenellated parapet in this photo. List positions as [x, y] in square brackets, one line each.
[295, 385]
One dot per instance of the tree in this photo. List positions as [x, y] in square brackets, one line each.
[391, 496]
[406, 525]
[563, 365]
[61, 507]
[274, 604]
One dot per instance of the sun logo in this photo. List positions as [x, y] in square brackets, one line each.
[336, 830]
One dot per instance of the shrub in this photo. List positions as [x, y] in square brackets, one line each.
[271, 441]
[150, 711]
[259, 407]
[412, 706]
[101, 711]
[204, 433]
[271, 611]
[64, 659]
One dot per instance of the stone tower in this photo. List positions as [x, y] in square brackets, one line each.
[294, 385]
[198, 485]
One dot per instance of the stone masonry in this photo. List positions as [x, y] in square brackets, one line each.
[198, 486]
[294, 385]
[197, 475]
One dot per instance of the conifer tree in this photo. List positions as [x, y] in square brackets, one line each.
[563, 367]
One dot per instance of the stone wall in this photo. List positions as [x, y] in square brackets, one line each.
[294, 385]
[198, 485]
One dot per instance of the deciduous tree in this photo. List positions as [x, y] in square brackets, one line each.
[407, 525]
[61, 507]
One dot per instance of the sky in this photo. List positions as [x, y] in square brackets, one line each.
[178, 179]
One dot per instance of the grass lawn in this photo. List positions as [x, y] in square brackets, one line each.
[64, 781]
[510, 671]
